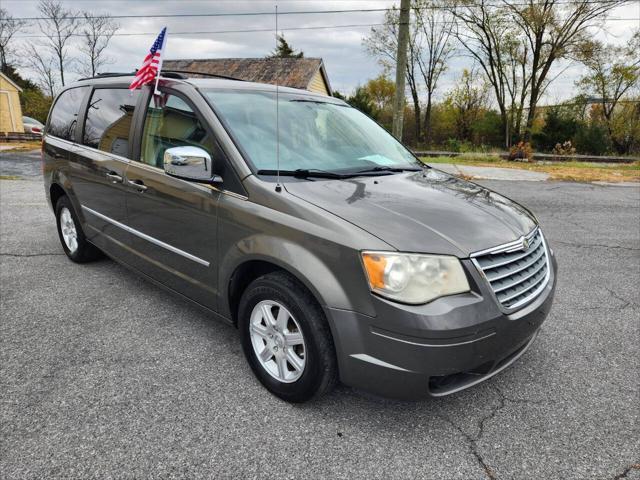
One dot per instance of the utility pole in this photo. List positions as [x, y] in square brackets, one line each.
[401, 67]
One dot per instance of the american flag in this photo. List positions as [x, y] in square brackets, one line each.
[151, 64]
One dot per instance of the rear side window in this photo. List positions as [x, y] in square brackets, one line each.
[62, 123]
[108, 120]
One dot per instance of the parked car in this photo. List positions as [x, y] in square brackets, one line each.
[336, 253]
[31, 125]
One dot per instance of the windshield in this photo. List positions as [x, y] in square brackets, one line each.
[314, 135]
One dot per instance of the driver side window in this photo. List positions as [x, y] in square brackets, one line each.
[171, 122]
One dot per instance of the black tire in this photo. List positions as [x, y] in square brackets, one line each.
[320, 373]
[85, 252]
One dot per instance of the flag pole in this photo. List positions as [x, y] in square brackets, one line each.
[164, 43]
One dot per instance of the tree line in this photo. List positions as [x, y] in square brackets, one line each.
[514, 45]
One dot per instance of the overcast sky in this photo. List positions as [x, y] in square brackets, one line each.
[346, 62]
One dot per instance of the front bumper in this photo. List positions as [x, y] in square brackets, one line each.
[412, 352]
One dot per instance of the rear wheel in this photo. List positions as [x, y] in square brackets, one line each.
[74, 243]
[286, 339]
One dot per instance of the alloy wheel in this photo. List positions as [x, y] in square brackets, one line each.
[277, 341]
[68, 229]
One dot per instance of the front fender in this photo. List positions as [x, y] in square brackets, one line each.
[326, 279]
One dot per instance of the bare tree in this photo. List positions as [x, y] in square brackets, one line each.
[382, 43]
[553, 30]
[436, 50]
[8, 28]
[487, 33]
[58, 25]
[516, 85]
[516, 43]
[97, 31]
[44, 67]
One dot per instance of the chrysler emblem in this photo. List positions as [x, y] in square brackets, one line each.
[525, 244]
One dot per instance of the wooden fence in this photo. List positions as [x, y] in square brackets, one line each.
[19, 137]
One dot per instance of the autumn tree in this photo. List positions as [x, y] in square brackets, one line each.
[96, 31]
[9, 26]
[381, 90]
[469, 99]
[612, 72]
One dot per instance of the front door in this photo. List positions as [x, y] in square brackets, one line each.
[98, 164]
[174, 222]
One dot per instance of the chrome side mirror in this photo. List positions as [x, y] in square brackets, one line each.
[190, 163]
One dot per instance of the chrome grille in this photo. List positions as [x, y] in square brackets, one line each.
[517, 271]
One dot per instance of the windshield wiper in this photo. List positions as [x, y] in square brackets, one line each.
[304, 173]
[388, 169]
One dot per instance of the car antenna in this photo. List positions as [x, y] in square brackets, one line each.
[278, 186]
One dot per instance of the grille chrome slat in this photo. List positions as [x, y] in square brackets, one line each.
[520, 293]
[538, 255]
[516, 276]
[521, 280]
[515, 258]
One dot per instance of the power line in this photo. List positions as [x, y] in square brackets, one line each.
[259, 30]
[314, 12]
[252, 30]
[219, 14]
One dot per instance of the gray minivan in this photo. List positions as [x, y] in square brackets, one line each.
[337, 254]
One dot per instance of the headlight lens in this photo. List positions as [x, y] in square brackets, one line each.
[414, 278]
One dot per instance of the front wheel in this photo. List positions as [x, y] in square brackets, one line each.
[286, 339]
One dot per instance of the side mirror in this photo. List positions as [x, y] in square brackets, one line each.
[190, 163]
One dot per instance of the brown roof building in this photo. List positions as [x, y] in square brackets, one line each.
[304, 73]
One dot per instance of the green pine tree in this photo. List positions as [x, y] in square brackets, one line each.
[284, 50]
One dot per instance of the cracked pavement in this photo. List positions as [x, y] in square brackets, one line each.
[104, 375]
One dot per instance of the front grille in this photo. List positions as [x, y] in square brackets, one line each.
[516, 272]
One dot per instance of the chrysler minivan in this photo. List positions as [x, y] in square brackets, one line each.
[337, 254]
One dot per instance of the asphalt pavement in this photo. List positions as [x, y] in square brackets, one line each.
[103, 375]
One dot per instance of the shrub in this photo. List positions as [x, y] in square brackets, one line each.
[558, 127]
[521, 151]
[488, 129]
[453, 145]
[564, 149]
[592, 139]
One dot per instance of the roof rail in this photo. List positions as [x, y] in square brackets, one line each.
[172, 74]
[109, 74]
[179, 74]
[194, 72]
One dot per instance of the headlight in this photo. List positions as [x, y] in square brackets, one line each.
[414, 278]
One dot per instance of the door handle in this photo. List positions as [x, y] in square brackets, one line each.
[114, 177]
[137, 184]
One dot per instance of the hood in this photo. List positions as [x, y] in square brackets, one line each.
[430, 211]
